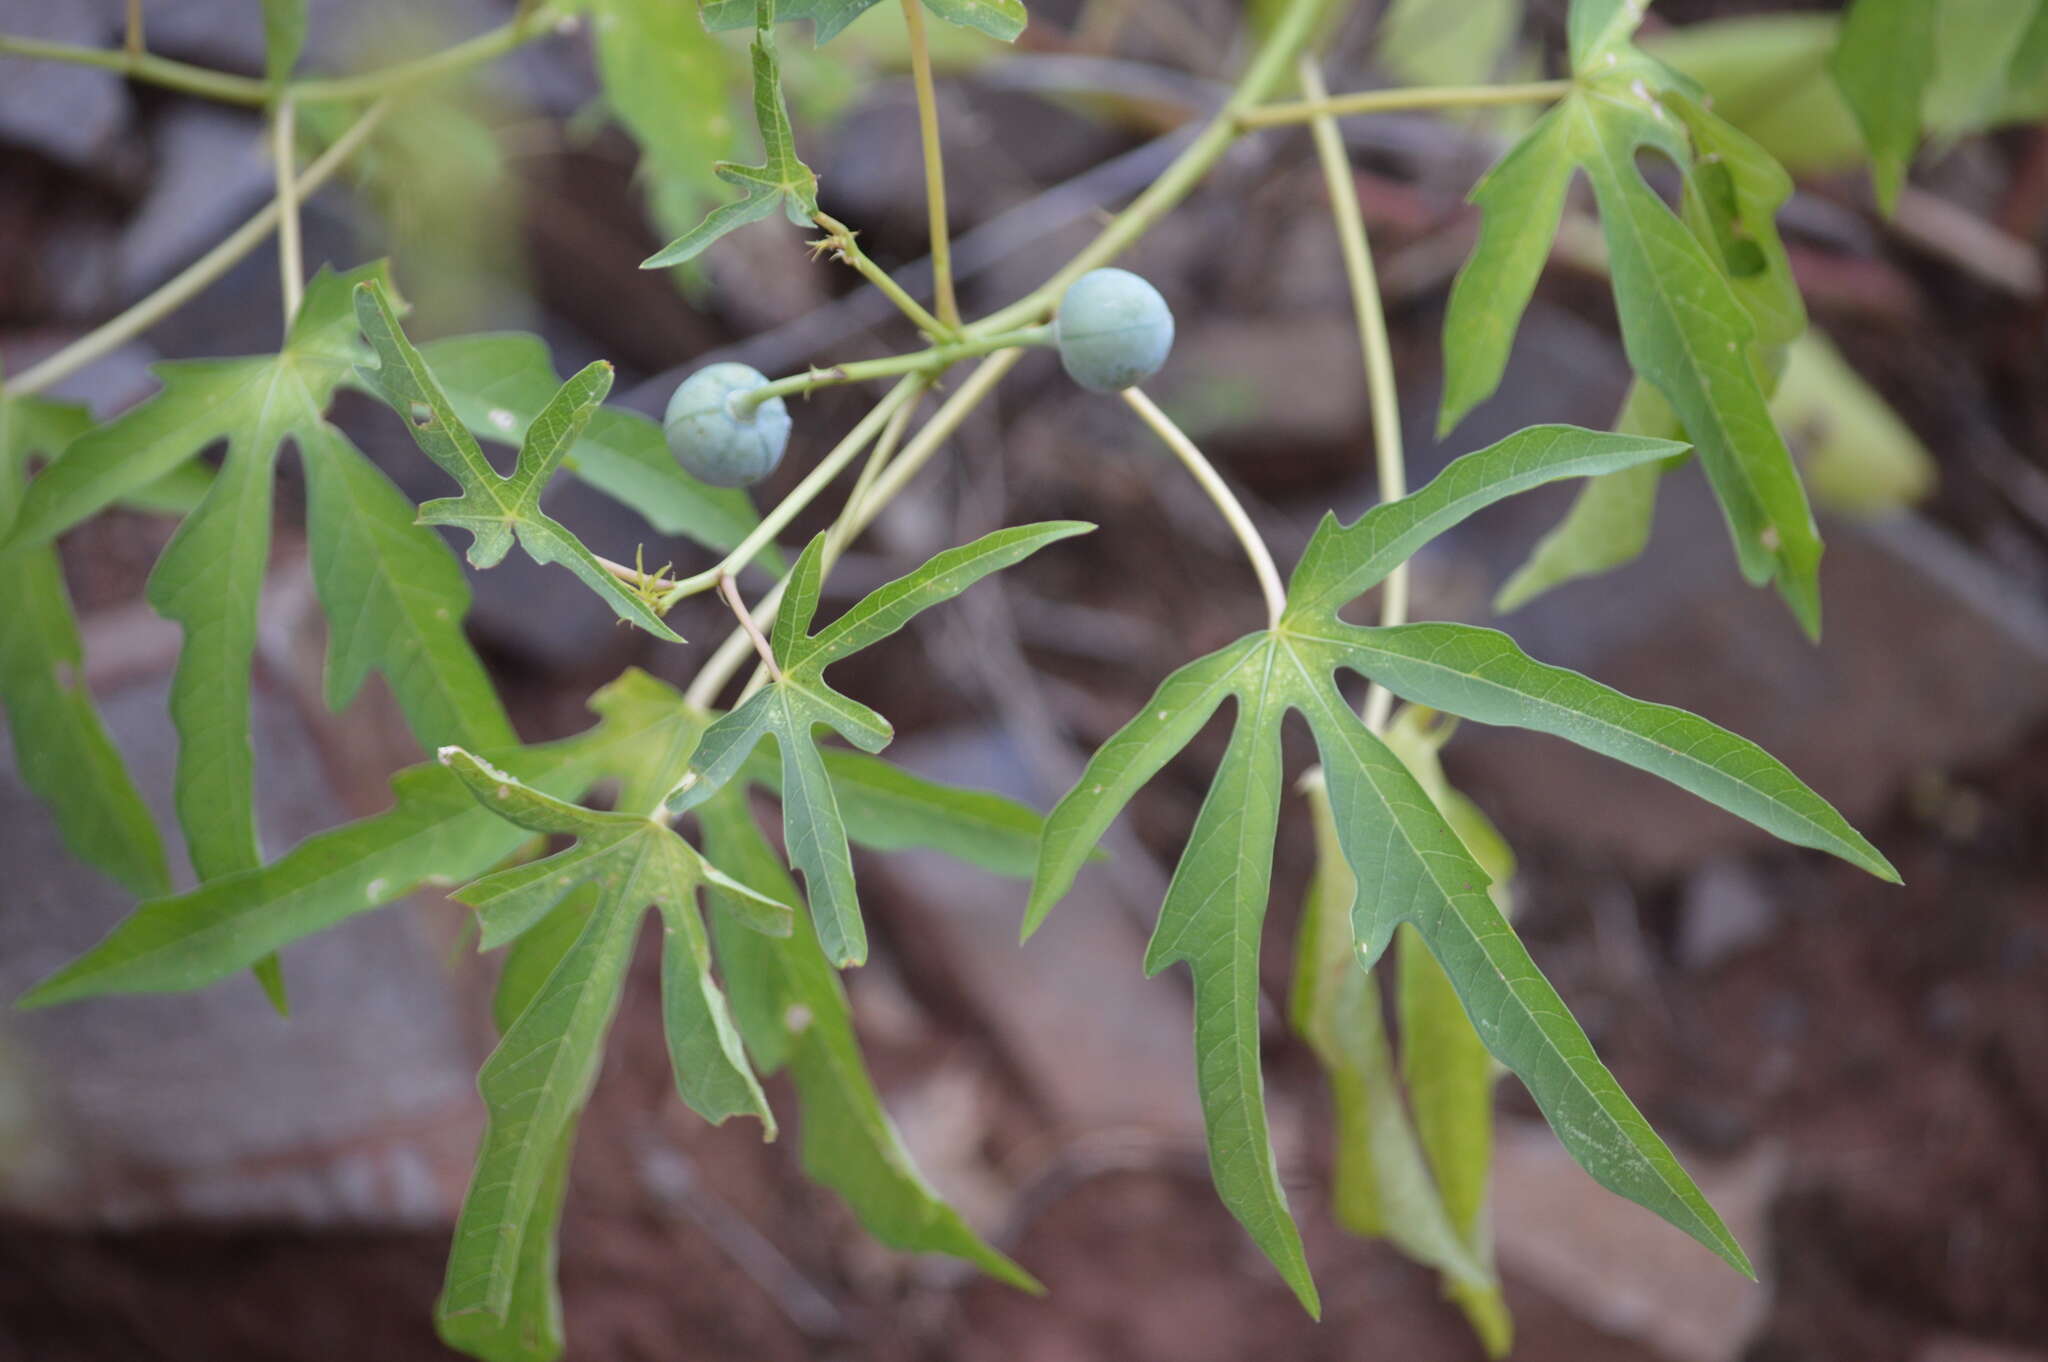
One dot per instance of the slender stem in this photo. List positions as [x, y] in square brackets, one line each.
[837, 535]
[934, 166]
[132, 42]
[172, 75]
[233, 89]
[924, 364]
[1296, 26]
[1389, 101]
[799, 497]
[857, 516]
[1388, 458]
[1220, 493]
[841, 243]
[731, 594]
[291, 266]
[194, 277]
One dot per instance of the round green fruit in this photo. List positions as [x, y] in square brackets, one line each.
[713, 438]
[1113, 330]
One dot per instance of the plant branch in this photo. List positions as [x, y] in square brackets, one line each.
[201, 272]
[232, 89]
[934, 167]
[1390, 463]
[924, 364]
[841, 244]
[291, 267]
[153, 70]
[1219, 492]
[1325, 105]
[132, 41]
[1293, 31]
[731, 595]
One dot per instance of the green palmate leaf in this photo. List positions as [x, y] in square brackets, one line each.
[1729, 205]
[1405, 858]
[498, 383]
[1343, 561]
[1705, 298]
[532, 1328]
[61, 748]
[434, 833]
[1883, 64]
[1481, 674]
[665, 78]
[1000, 19]
[284, 37]
[793, 1013]
[496, 510]
[1382, 1184]
[539, 1077]
[782, 180]
[1521, 201]
[889, 809]
[792, 706]
[211, 575]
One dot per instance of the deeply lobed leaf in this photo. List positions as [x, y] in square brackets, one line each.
[1406, 862]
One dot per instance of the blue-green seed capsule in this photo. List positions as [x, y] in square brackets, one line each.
[1113, 330]
[712, 439]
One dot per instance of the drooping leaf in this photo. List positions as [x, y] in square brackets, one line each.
[496, 510]
[434, 832]
[1382, 1182]
[999, 19]
[61, 748]
[781, 180]
[1883, 64]
[794, 704]
[498, 383]
[532, 1328]
[1705, 297]
[210, 576]
[1407, 862]
[537, 1080]
[1449, 1074]
[211, 572]
[793, 1013]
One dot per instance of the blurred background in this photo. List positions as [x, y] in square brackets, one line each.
[1858, 1074]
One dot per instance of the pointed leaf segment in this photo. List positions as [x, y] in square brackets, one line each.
[1705, 295]
[394, 596]
[791, 707]
[781, 180]
[496, 510]
[1407, 862]
[539, 1077]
